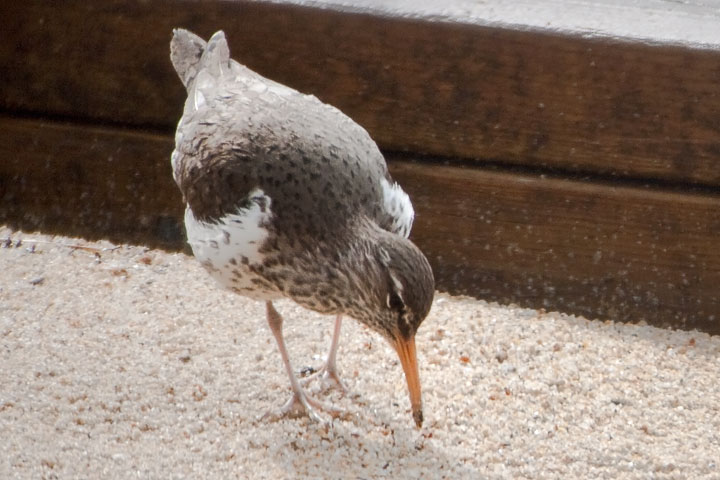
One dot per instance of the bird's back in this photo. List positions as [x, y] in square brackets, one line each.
[241, 132]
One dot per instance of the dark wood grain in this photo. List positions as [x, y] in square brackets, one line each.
[596, 249]
[609, 106]
[89, 181]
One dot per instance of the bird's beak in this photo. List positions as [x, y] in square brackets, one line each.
[406, 351]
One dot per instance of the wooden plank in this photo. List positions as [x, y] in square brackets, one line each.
[489, 92]
[89, 181]
[596, 249]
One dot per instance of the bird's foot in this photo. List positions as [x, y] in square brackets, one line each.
[329, 380]
[300, 404]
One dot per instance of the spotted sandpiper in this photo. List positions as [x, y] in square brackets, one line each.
[288, 197]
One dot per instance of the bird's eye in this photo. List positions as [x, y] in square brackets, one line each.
[394, 302]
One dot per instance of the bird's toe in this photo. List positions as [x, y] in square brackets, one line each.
[302, 405]
[329, 380]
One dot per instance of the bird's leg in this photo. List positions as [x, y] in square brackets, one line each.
[328, 372]
[299, 401]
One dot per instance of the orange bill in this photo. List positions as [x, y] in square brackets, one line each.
[406, 351]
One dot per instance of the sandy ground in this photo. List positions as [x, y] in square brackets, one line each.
[129, 363]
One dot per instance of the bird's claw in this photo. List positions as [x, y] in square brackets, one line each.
[329, 380]
[303, 405]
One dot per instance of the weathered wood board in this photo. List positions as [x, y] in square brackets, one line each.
[89, 181]
[599, 249]
[486, 92]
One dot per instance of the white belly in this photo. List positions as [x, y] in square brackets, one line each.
[227, 249]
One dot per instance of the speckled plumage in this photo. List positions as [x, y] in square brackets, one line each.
[288, 197]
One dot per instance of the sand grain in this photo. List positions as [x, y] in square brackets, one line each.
[131, 363]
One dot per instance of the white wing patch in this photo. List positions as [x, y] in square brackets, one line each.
[227, 248]
[398, 206]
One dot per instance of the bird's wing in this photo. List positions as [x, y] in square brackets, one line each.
[397, 210]
[233, 117]
[208, 166]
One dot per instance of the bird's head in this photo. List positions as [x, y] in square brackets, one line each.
[402, 299]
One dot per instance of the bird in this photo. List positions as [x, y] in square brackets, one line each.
[287, 197]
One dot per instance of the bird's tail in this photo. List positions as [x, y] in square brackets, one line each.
[190, 55]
